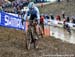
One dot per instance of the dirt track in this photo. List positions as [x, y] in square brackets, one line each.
[13, 45]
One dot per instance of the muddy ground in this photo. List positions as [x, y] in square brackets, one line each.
[12, 44]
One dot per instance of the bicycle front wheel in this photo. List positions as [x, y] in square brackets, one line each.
[28, 41]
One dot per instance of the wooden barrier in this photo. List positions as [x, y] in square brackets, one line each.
[47, 30]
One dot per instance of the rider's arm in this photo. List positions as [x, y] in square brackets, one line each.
[38, 14]
[26, 15]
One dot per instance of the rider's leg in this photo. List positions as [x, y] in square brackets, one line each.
[35, 43]
[36, 37]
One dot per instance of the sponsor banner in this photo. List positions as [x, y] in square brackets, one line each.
[10, 21]
[13, 14]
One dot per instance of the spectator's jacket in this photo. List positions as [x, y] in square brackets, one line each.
[42, 19]
[64, 21]
[57, 17]
[52, 17]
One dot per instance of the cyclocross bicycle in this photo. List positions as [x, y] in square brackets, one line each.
[31, 34]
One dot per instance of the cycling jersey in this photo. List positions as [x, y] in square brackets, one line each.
[34, 13]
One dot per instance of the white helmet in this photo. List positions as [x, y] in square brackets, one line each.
[31, 5]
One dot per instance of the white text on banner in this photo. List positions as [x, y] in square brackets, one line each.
[0, 17]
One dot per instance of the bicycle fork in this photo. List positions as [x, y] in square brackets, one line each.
[35, 38]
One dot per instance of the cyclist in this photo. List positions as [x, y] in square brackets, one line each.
[32, 14]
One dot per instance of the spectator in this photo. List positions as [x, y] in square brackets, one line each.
[41, 19]
[52, 17]
[18, 9]
[46, 16]
[73, 20]
[8, 3]
[63, 14]
[15, 10]
[58, 17]
[14, 4]
[64, 23]
[3, 6]
[67, 19]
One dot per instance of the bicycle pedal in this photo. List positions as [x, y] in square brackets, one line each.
[36, 37]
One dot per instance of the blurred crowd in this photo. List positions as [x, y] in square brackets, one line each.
[14, 6]
[60, 17]
[63, 17]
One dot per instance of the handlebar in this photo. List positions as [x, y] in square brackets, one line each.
[34, 21]
[30, 20]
